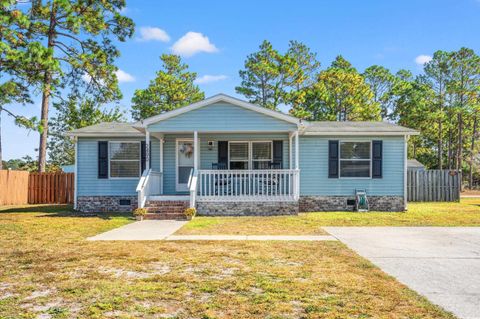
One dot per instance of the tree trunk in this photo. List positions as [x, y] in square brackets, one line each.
[460, 146]
[472, 150]
[440, 145]
[449, 149]
[42, 149]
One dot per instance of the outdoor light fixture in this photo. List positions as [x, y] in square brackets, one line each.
[210, 145]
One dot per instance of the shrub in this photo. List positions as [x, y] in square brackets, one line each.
[190, 212]
[140, 212]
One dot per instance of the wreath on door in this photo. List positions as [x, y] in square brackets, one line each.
[187, 150]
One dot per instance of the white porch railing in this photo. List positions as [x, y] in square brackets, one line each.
[150, 184]
[247, 185]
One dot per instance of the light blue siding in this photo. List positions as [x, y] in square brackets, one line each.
[88, 183]
[207, 157]
[313, 165]
[314, 169]
[222, 117]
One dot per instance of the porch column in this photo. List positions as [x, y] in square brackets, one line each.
[296, 151]
[290, 150]
[195, 150]
[147, 150]
[162, 140]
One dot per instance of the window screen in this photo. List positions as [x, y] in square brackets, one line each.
[355, 159]
[124, 159]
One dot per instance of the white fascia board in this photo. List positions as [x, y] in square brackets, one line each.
[365, 133]
[104, 134]
[212, 100]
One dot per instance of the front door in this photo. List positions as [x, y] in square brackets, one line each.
[185, 153]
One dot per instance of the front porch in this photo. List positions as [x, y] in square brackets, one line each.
[219, 169]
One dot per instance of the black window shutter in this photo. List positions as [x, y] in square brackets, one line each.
[102, 159]
[143, 156]
[223, 152]
[377, 155]
[332, 159]
[278, 152]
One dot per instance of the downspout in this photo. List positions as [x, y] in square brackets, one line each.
[405, 172]
[75, 206]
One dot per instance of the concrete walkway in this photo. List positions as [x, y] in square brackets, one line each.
[441, 263]
[144, 230]
[251, 237]
[164, 229]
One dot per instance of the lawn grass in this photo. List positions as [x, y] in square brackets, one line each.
[465, 213]
[49, 270]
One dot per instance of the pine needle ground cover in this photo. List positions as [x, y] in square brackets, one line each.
[464, 213]
[49, 270]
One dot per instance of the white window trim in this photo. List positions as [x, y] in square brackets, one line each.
[183, 187]
[358, 159]
[250, 159]
[139, 159]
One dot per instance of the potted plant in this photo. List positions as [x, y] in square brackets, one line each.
[139, 213]
[190, 213]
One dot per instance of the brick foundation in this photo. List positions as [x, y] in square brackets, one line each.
[93, 204]
[339, 203]
[246, 208]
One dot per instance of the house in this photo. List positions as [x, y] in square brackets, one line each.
[414, 165]
[225, 156]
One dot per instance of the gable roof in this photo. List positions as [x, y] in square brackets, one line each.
[114, 129]
[413, 163]
[212, 100]
[356, 128]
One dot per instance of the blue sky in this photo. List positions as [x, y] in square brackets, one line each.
[214, 38]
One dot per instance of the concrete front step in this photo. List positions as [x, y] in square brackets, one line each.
[171, 203]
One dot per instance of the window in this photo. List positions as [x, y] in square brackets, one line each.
[124, 159]
[355, 159]
[261, 154]
[245, 155]
[238, 154]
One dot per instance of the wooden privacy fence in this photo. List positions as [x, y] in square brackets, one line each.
[51, 188]
[433, 186]
[13, 187]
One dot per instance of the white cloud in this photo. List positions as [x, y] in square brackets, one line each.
[153, 34]
[86, 77]
[123, 76]
[207, 78]
[192, 43]
[422, 59]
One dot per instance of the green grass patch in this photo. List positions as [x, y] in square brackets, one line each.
[48, 269]
[464, 213]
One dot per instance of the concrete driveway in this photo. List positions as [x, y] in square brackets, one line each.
[441, 263]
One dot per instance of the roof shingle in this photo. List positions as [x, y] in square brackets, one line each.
[346, 128]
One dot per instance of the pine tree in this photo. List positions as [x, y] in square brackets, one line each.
[173, 87]
[78, 35]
